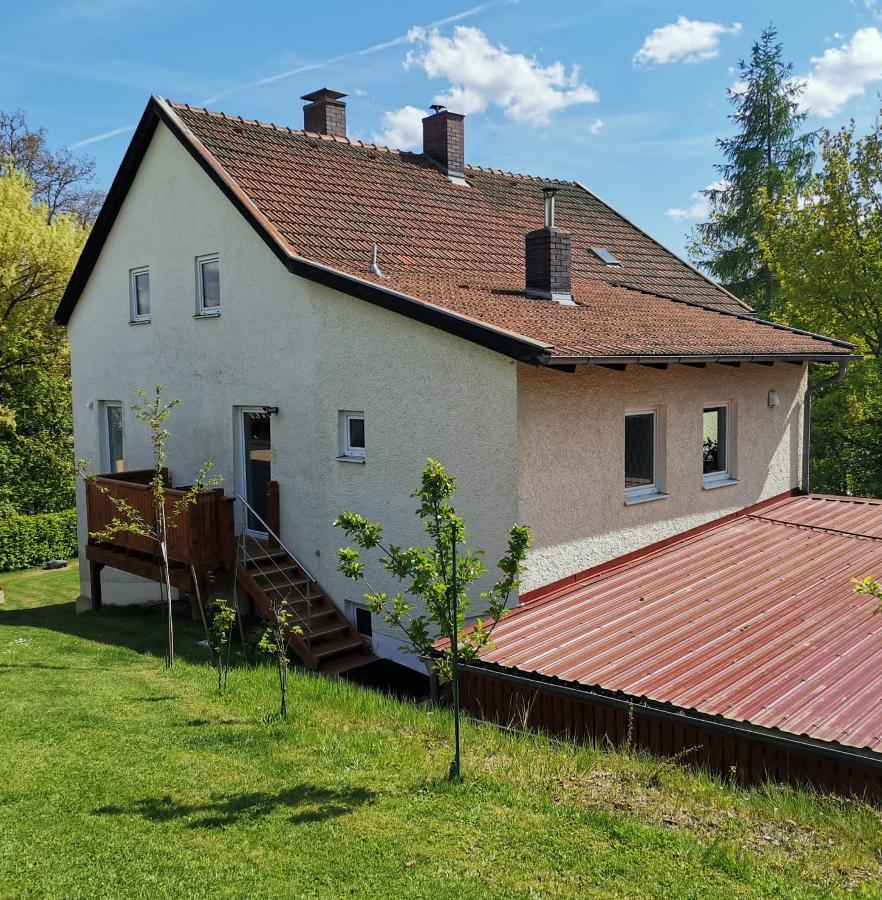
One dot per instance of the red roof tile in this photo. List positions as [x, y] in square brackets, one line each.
[753, 620]
[462, 248]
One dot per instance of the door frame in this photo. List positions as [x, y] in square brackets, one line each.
[242, 469]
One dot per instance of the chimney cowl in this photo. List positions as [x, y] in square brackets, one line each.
[444, 142]
[325, 113]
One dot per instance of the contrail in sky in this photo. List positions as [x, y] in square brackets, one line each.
[279, 76]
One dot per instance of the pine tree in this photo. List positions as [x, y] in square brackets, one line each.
[765, 154]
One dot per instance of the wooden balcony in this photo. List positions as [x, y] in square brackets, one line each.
[202, 541]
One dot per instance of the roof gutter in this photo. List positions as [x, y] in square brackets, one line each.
[811, 390]
[677, 715]
[693, 358]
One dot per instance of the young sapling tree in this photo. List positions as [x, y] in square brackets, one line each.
[154, 412]
[222, 618]
[434, 605]
[274, 642]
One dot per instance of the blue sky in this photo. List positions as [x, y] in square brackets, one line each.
[626, 96]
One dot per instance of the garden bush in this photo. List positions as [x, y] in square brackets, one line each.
[32, 540]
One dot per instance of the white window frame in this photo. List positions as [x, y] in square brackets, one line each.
[134, 315]
[201, 309]
[724, 476]
[347, 451]
[104, 453]
[647, 491]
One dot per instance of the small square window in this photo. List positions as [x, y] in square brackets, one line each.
[352, 436]
[139, 294]
[364, 623]
[208, 285]
[715, 445]
[641, 446]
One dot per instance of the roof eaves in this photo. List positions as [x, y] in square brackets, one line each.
[747, 316]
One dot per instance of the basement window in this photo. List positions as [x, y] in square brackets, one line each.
[208, 285]
[139, 294]
[353, 447]
[606, 257]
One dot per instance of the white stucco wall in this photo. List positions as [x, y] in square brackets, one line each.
[283, 341]
[571, 455]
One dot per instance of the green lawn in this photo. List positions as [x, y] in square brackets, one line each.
[121, 779]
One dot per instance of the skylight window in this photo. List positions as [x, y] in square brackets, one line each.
[605, 256]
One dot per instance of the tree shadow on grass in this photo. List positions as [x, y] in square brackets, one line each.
[306, 802]
[139, 628]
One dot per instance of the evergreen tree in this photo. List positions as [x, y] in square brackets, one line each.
[764, 157]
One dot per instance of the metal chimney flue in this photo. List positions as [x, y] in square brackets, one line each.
[548, 193]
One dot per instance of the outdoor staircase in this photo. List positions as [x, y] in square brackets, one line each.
[269, 573]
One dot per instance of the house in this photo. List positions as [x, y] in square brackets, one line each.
[331, 313]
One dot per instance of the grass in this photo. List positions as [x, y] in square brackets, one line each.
[119, 778]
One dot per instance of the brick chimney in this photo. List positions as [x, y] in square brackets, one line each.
[548, 258]
[444, 142]
[324, 113]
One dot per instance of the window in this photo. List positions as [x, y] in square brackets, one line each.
[715, 463]
[208, 285]
[363, 622]
[641, 454]
[139, 294]
[606, 257]
[111, 436]
[352, 442]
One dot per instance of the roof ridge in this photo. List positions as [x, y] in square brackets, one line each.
[329, 138]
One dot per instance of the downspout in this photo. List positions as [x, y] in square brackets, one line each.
[807, 418]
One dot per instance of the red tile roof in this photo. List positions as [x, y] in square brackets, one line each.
[752, 619]
[461, 249]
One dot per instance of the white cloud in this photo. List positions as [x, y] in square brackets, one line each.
[699, 208]
[402, 128]
[686, 40]
[596, 126]
[481, 75]
[841, 73]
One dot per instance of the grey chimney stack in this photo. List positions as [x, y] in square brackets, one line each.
[549, 258]
[444, 141]
[324, 113]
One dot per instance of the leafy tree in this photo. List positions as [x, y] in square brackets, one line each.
[36, 259]
[871, 588]
[61, 180]
[766, 154]
[435, 602]
[823, 244]
[128, 520]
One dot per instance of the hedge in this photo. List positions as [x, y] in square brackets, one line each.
[27, 541]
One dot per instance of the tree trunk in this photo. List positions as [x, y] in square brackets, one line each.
[166, 574]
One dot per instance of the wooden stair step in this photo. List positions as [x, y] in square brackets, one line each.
[263, 569]
[340, 645]
[335, 626]
[345, 663]
[269, 580]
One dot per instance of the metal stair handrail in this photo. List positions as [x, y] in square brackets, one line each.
[248, 557]
[276, 538]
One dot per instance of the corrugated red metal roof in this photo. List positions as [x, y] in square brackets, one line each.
[753, 619]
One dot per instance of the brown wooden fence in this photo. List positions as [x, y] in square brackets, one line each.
[732, 750]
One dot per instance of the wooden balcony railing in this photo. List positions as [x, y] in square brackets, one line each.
[203, 536]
